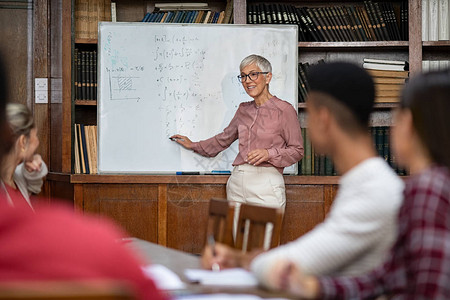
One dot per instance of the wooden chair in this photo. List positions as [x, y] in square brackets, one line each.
[251, 226]
[220, 221]
[66, 290]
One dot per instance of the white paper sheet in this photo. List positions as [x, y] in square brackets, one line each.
[164, 278]
[227, 277]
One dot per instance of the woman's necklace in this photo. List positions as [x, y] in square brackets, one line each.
[8, 197]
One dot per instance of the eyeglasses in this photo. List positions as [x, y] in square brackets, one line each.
[252, 76]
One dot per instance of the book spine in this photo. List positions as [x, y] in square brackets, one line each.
[80, 146]
[85, 151]
[386, 143]
[77, 78]
[380, 141]
[316, 164]
[83, 76]
[95, 74]
[301, 85]
[76, 152]
[322, 165]
[307, 157]
[274, 14]
[425, 22]
[91, 75]
[304, 144]
[444, 15]
[404, 24]
[268, 14]
[328, 166]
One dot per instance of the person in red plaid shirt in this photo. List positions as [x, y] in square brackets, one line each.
[418, 266]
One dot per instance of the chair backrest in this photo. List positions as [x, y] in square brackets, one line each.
[251, 227]
[66, 290]
[220, 221]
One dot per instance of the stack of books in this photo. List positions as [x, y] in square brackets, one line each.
[389, 77]
[189, 13]
[366, 21]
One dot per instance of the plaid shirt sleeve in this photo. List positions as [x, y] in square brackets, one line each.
[418, 266]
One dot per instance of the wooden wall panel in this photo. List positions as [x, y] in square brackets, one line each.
[304, 210]
[15, 44]
[187, 214]
[134, 207]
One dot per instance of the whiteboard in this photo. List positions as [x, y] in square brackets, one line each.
[158, 80]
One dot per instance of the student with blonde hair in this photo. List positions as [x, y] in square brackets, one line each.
[22, 169]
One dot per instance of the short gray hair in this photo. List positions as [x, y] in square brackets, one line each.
[260, 61]
[20, 119]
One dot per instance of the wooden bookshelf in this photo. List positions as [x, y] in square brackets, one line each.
[86, 102]
[86, 41]
[376, 105]
[170, 210]
[350, 45]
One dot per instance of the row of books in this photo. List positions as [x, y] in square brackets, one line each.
[85, 149]
[85, 65]
[435, 65]
[188, 16]
[189, 13]
[368, 21]
[389, 77]
[435, 20]
[315, 164]
[381, 141]
[87, 15]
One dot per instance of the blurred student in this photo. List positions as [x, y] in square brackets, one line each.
[418, 266]
[54, 244]
[22, 170]
[360, 227]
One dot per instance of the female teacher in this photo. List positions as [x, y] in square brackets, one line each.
[269, 139]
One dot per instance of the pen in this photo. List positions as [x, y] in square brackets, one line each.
[188, 173]
[212, 243]
[220, 172]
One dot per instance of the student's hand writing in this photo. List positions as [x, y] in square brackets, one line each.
[285, 275]
[34, 164]
[225, 257]
[182, 140]
[258, 156]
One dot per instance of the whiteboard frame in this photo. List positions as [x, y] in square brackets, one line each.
[99, 90]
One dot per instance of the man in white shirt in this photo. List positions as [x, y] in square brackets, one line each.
[361, 225]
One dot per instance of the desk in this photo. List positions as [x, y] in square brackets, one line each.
[178, 261]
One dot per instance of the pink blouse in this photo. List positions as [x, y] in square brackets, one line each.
[273, 126]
